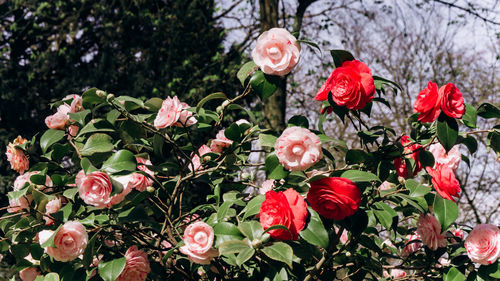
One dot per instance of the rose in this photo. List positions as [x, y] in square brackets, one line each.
[52, 206]
[429, 230]
[444, 181]
[483, 244]
[198, 240]
[169, 113]
[70, 241]
[286, 208]
[412, 245]
[136, 267]
[427, 103]
[140, 181]
[452, 158]
[266, 186]
[29, 274]
[414, 150]
[276, 52]
[451, 100]
[351, 85]
[185, 118]
[220, 142]
[60, 119]
[298, 149]
[196, 161]
[334, 198]
[16, 157]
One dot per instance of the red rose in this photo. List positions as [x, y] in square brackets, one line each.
[444, 181]
[286, 208]
[351, 85]
[334, 198]
[400, 163]
[427, 103]
[451, 100]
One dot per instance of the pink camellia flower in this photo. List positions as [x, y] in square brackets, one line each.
[29, 274]
[70, 241]
[16, 157]
[60, 119]
[198, 240]
[220, 142]
[76, 103]
[126, 183]
[196, 159]
[17, 205]
[452, 158]
[386, 186]
[52, 206]
[298, 149]
[73, 130]
[412, 245]
[459, 233]
[137, 266]
[185, 118]
[169, 113]
[483, 244]
[140, 181]
[95, 188]
[266, 186]
[25, 178]
[429, 230]
[395, 273]
[444, 181]
[276, 52]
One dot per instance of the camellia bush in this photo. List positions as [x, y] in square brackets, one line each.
[118, 188]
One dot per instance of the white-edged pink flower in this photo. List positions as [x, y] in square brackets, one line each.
[457, 232]
[196, 159]
[70, 241]
[412, 245]
[483, 244]
[126, 183]
[266, 186]
[95, 188]
[395, 273]
[276, 52]
[298, 149]
[29, 274]
[76, 103]
[186, 117]
[60, 119]
[26, 178]
[429, 230]
[198, 241]
[17, 205]
[19, 162]
[140, 181]
[52, 206]
[137, 266]
[220, 142]
[169, 113]
[452, 158]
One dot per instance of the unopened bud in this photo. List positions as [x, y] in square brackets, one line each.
[347, 254]
[256, 243]
[150, 189]
[110, 97]
[219, 109]
[206, 158]
[245, 176]
[100, 93]
[225, 103]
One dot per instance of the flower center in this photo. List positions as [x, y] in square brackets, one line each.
[298, 149]
[200, 237]
[274, 53]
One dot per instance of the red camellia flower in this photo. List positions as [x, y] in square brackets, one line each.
[444, 181]
[400, 163]
[451, 100]
[334, 198]
[351, 85]
[427, 103]
[287, 208]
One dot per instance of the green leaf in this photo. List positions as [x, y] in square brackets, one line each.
[446, 211]
[88, 255]
[273, 168]
[264, 85]
[244, 256]
[79, 116]
[447, 131]
[315, 233]
[253, 206]
[384, 214]
[454, 275]
[122, 160]
[49, 138]
[355, 156]
[471, 143]
[267, 140]
[97, 143]
[225, 231]
[416, 189]
[251, 229]
[233, 132]
[90, 97]
[279, 251]
[50, 241]
[233, 247]
[340, 56]
[218, 95]
[110, 270]
[379, 81]
[51, 277]
[470, 117]
[153, 104]
[223, 210]
[245, 71]
[360, 176]
[87, 166]
[493, 141]
[487, 110]
[426, 158]
[96, 125]
[299, 121]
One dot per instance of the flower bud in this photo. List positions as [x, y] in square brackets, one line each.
[110, 97]
[225, 103]
[150, 189]
[219, 109]
[245, 176]
[100, 93]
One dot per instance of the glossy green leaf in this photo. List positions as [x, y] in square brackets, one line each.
[233, 247]
[218, 95]
[79, 116]
[426, 158]
[244, 256]
[416, 189]
[315, 232]
[233, 132]
[96, 126]
[454, 275]
[264, 85]
[51, 277]
[384, 214]
[298, 121]
[471, 143]
[122, 160]
[470, 117]
[447, 131]
[360, 176]
[97, 143]
[340, 56]
[245, 71]
[267, 140]
[487, 110]
[50, 137]
[279, 251]
[88, 254]
[251, 229]
[225, 231]
[273, 168]
[253, 206]
[446, 211]
[110, 270]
